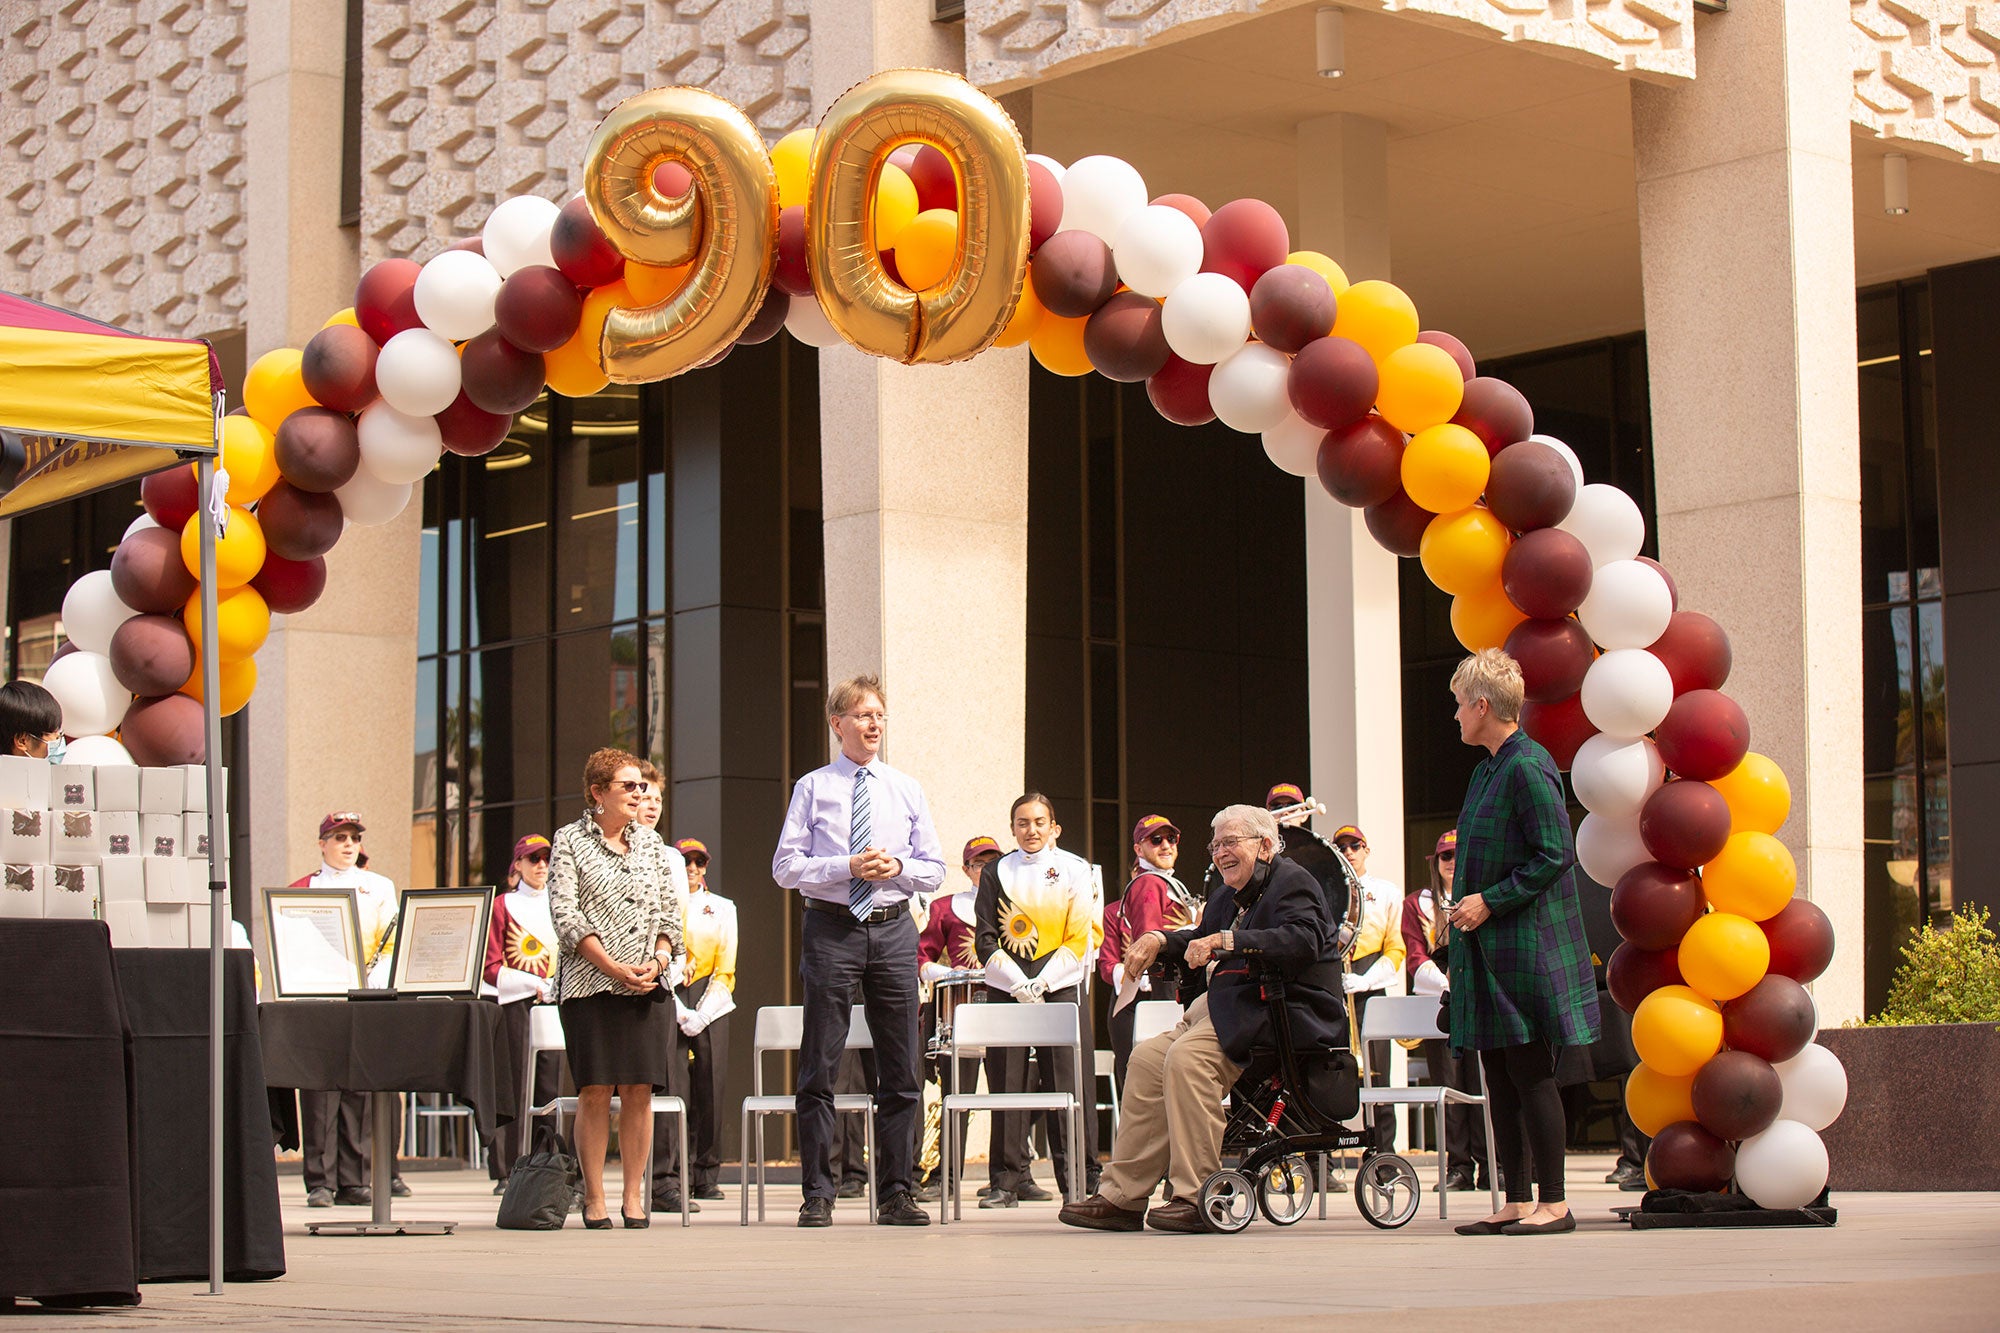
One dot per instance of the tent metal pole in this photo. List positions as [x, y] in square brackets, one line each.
[218, 889]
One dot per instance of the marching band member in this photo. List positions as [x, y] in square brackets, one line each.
[1425, 936]
[1376, 962]
[1153, 900]
[520, 973]
[703, 1001]
[948, 944]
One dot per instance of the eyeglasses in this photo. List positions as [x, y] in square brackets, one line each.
[1447, 857]
[866, 719]
[1220, 843]
[1164, 839]
[639, 785]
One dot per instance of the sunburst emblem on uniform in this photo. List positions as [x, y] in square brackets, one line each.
[1022, 936]
[525, 950]
[965, 953]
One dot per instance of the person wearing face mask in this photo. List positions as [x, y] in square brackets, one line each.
[666, 1141]
[30, 722]
[520, 973]
[1154, 899]
[1375, 963]
[702, 1004]
[1425, 958]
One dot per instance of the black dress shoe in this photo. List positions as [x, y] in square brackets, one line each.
[713, 1193]
[929, 1192]
[355, 1196]
[1567, 1222]
[902, 1211]
[397, 1189]
[816, 1213]
[499, 1187]
[1458, 1179]
[319, 1198]
[671, 1203]
[1029, 1192]
[851, 1189]
[998, 1198]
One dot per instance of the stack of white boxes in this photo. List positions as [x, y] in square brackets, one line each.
[123, 844]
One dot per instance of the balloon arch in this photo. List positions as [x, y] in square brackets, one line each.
[911, 224]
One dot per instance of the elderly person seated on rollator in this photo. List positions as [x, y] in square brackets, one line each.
[1273, 914]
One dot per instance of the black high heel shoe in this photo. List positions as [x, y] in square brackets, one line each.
[639, 1223]
[597, 1223]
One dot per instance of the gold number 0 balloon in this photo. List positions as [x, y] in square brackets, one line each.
[727, 224]
[964, 313]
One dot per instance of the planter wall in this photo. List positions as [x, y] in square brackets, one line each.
[1923, 1108]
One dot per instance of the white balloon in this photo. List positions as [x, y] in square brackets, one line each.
[1628, 605]
[92, 613]
[516, 235]
[455, 294]
[97, 751]
[92, 700]
[809, 324]
[1248, 389]
[367, 500]
[1206, 318]
[1603, 518]
[1627, 691]
[1607, 848]
[1613, 775]
[417, 373]
[1569, 456]
[1293, 444]
[1056, 169]
[140, 524]
[1099, 194]
[1784, 1167]
[1815, 1084]
[397, 448]
[1157, 250]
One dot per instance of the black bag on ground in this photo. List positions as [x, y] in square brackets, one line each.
[542, 1185]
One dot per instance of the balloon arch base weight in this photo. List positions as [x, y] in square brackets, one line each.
[390, 1228]
[1665, 1209]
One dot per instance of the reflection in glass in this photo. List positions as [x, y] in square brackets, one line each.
[597, 490]
[507, 493]
[507, 744]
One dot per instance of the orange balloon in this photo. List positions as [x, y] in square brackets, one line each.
[235, 681]
[242, 622]
[239, 551]
[1484, 619]
[274, 389]
[1421, 386]
[1027, 318]
[1462, 552]
[1379, 316]
[576, 369]
[1677, 1030]
[1335, 275]
[1759, 797]
[651, 284]
[926, 247]
[1445, 468]
[1058, 344]
[1655, 1100]
[1752, 876]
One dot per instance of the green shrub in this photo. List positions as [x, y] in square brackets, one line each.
[1947, 976]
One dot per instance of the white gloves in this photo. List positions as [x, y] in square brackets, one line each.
[692, 1024]
[1353, 982]
[1029, 992]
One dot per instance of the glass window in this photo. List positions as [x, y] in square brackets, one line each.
[507, 743]
[507, 497]
[597, 489]
[598, 703]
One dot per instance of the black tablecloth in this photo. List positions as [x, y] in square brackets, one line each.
[166, 1004]
[411, 1045]
[67, 1230]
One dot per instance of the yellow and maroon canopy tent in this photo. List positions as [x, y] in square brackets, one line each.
[85, 405]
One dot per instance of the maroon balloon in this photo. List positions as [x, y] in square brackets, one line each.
[299, 525]
[290, 586]
[1459, 351]
[1654, 904]
[1196, 210]
[1634, 973]
[1179, 392]
[1801, 940]
[1530, 486]
[1774, 1019]
[151, 654]
[1495, 411]
[937, 184]
[1333, 382]
[672, 179]
[318, 449]
[1397, 524]
[471, 244]
[1684, 1156]
[338, 367]
[581, 250]
[1243, 240]
[791, 273]
[538, 309]
[1695, 652]
[1073, 274]
[163, 732]
[469, 430]
[1736, 1095]
[1704, 736]
[148, 573]
[1361, 464]
[769, 319]
[1290, 306]
[500, 377]
[171, 497]
[68, 647]
[891, 267]
[385, 300]
[1553, 656]
[1673, 589]
[1684, 823]
[1125, 338]
[1045, 205]
[1546, 573]
[1561, 728]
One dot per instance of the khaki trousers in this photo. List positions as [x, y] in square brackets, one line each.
[1170, 1116]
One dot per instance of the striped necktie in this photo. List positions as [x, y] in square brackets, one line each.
[860, 892]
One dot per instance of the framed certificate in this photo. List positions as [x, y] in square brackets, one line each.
[441, 941]
[314, 941]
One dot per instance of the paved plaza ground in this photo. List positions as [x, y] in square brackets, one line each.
[1896, 1261]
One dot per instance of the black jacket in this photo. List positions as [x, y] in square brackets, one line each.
[1285, 925]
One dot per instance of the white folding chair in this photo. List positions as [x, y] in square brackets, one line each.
[545, 1033]
[1107, 1069]
[1414, 1017]
[989, 1026]
[1153, 1017]
[783, 1028]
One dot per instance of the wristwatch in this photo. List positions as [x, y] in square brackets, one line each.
[1229, 941]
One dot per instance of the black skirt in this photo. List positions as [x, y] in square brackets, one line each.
[618, 1040]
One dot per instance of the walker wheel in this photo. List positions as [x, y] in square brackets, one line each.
[1285, 1190]
[1227, 1202]
[1386, 1191]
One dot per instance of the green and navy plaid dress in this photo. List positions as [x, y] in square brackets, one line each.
[1524, 974]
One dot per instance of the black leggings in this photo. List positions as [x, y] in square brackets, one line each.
[1527, 1119]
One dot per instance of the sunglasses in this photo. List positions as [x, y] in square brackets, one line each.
[639, 785]
[1164, 839]
[1352, 846]
[1447, 857]
[536, 858]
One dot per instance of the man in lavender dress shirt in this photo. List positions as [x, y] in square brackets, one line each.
[857, 845]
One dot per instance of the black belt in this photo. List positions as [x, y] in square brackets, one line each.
[874, 918]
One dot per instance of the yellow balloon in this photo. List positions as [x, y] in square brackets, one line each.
[1723, 955]
[1753, 876]
[250, 457]
[895, 206]
[1336, 277]
[345, 315]
[791, 159]
[1445, 468]
[926, 247]
[1026, 319]
[1655, 1100]
[1760, 800]
[1462, 552]
[235, 681]
[239, 552]
[1377, 315]
[1677, 1031]
[242, 622]
[1058, 344]
[1484, 619]
[273, 389]
[1420, 386]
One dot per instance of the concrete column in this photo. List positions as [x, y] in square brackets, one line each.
[925, 472]
[1747, 248]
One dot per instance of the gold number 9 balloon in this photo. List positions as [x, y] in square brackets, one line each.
[961, 315]
[727, 225]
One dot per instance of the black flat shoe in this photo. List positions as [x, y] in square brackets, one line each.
[597, 1223]
[1567, 1222]
[1482, 1228]
[639, 1223]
